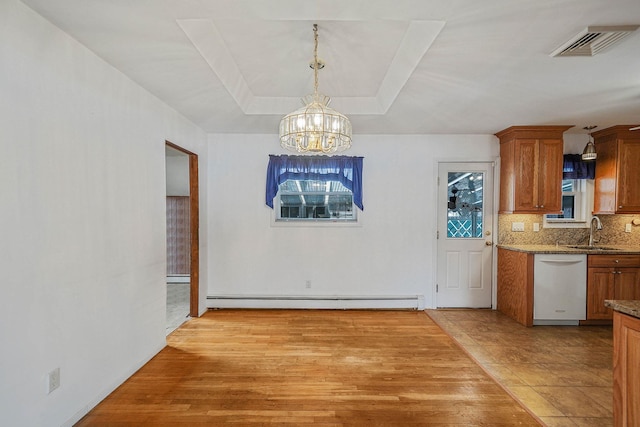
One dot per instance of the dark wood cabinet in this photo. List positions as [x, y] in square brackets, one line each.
[611, 277]
[531, 169]
[617, 183]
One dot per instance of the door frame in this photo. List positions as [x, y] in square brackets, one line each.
[194, 224]
[496, 200]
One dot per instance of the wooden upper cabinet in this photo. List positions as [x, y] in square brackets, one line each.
[550, 167]
[531, 169]
[617, 184]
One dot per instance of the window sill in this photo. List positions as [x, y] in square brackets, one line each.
[315, 223]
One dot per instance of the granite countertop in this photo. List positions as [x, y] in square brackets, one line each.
[630, 307]
[563, 249]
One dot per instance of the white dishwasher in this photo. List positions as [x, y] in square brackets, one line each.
[559, 289]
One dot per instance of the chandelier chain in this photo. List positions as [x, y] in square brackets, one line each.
[315, 60]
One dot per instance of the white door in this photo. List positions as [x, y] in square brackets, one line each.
[465, 235]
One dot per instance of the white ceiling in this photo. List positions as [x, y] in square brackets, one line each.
[392, 66]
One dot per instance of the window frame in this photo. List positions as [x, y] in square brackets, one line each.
[278, 221]
[583, 206]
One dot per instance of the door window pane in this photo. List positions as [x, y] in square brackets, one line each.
[465, 205]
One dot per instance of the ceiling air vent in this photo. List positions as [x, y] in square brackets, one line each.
[593, 40]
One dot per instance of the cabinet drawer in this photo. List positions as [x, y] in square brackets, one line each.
[613, 261]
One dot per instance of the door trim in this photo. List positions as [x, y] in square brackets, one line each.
[194, 218]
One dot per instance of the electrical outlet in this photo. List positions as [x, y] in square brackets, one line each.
[627, 228]
[53, 380]
[536, 226]
[517, 226]
[308, 284]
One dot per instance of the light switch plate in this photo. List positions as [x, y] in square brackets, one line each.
[627, 228]
[536, 226]
[517, 226]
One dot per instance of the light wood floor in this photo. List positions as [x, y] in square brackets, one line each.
[563, 374]
[310, 367]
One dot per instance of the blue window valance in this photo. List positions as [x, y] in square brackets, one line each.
[575, 168]
[345, 169]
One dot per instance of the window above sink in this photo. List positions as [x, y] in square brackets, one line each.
[577, 205]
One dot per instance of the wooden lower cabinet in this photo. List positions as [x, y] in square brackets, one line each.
[611, 277]
[599, 288]
[626, 370]
[627, 284]
[515, 285]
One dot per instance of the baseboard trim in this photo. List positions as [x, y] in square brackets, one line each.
[92, 403]
[415, 302]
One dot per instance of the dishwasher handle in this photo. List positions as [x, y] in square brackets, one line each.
[563, 261]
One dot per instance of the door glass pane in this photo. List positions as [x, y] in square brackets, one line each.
[464, 205]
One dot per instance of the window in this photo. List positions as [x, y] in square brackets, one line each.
[577, 194]
[571, 201]
[577, 203]
[311, 200]
[314, 189]
[465, 204]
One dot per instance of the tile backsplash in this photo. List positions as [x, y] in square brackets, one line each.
[612, 233]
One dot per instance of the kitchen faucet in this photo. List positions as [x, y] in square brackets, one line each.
[598, 226]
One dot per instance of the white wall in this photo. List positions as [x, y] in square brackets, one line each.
[574, 142]
[82, 224]
[392, 253]
[178, 175]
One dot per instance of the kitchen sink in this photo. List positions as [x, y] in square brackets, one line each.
[593, 248]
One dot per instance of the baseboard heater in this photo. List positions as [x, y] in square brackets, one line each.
[415, 302]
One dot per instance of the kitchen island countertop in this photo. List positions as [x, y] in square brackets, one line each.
[630, 307]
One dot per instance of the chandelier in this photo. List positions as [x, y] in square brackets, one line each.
[315, 127]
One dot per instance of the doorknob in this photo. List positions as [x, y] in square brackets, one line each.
[488, 243]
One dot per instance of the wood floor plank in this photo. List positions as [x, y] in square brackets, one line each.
[310, 367]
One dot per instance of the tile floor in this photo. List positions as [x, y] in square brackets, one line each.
[563, 374]
[177, 305]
